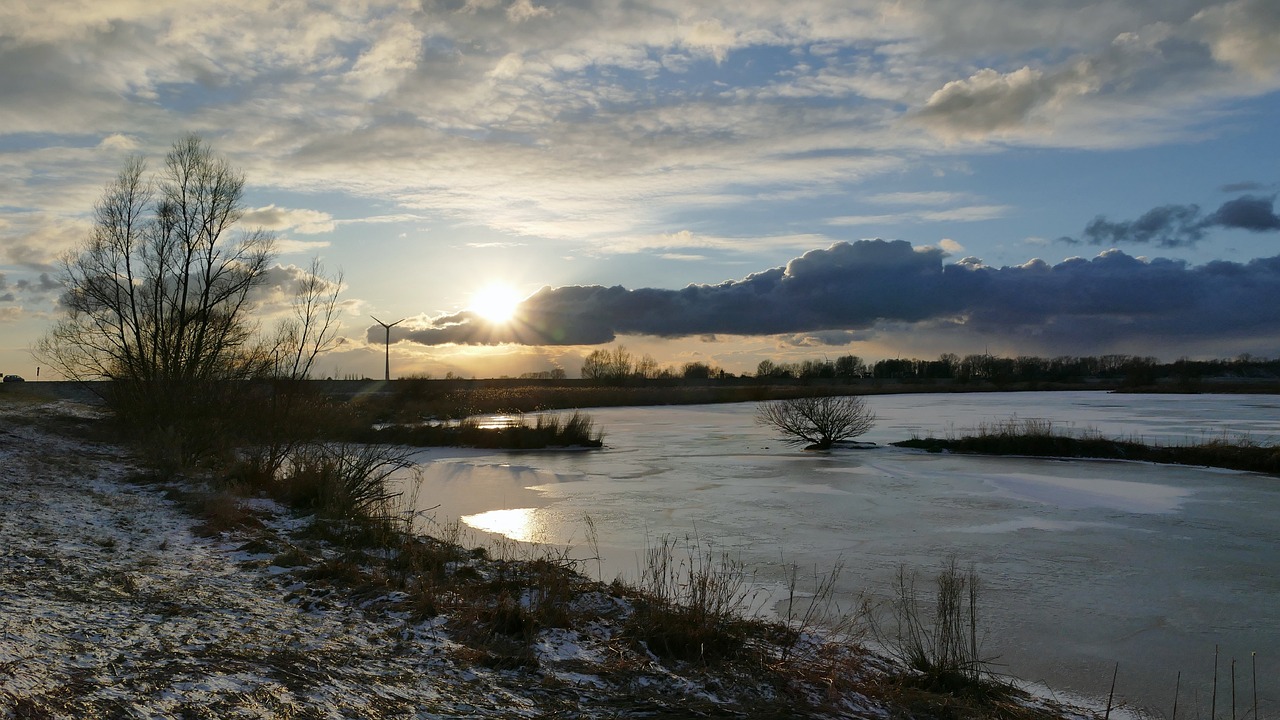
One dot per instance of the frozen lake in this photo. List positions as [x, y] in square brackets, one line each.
[1084, 563]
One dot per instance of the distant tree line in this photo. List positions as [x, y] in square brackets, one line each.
[617, 365]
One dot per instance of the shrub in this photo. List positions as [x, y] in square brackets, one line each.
[343, 480]
[819, 422]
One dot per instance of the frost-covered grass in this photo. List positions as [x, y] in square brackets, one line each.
[126, 594]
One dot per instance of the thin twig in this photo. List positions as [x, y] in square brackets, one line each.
[1112, 694]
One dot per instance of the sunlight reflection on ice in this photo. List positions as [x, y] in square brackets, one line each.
[520, 524]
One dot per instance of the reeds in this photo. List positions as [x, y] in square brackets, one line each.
[941, 645]
[545, 431]
[1037, 437]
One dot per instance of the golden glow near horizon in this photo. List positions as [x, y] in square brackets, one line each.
[496, 303]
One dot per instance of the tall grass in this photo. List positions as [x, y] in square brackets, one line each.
[691, 600]
[938, 639]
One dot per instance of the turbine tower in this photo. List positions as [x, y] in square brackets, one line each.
[388, 329]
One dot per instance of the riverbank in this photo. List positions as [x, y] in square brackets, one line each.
[123, 595]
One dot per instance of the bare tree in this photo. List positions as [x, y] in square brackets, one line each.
[312, 327]
[819, 422]
[606, 365]
[159, 301]
[159, 292]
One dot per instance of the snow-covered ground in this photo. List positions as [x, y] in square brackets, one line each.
[111, 606]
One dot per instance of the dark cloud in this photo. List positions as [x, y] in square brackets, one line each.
[1246, 186]
[842, 287]
[851, 288]
[1182, 225]
[43, 284]
[1248, 212]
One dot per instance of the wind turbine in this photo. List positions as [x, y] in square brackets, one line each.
[388, 329]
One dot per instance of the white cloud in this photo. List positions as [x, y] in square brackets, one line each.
[290, 246]
[969, 213]
[918, 198]
[306, 222]
[522, 10]
[1245, 34]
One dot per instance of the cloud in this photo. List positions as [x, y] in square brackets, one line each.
[273, 297]
[1182, 225]
[305, 222]
[1244, 34]
[1246, 186]
[42, 285]
[601, 122]
[919, 198]
[290, 246]
[1166, 226]
[987, 101]
[853, 287]
[1247, 213]
[40, 289]
[969, 213]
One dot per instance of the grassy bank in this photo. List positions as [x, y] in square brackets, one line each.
[1038, 438]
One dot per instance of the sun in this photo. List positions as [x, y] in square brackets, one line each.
[496, 303]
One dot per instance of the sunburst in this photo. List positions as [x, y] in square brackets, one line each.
[496, 303]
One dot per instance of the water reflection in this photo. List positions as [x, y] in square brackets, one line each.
[519, 524]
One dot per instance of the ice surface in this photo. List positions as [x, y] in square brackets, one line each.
[1091, 492]
[1084, 563]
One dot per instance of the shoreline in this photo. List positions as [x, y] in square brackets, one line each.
[141, 605]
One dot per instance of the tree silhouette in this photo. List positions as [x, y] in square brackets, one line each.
[819, 422]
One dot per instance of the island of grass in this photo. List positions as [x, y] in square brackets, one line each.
[546, 431]
[1037, 438]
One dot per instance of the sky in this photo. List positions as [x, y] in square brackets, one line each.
[718, 182]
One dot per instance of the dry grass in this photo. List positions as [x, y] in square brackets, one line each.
[1037, 437]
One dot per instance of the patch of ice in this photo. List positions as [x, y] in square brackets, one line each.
[1032, 523]
[818, 490]
[1078, 493]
